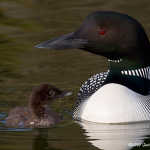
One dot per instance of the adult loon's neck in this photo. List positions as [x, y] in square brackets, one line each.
[133, 76]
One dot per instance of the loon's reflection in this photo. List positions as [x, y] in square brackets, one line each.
[117, 137]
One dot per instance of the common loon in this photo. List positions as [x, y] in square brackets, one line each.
[38, 113]
[122, 94]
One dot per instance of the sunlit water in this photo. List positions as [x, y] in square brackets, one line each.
[24, 24]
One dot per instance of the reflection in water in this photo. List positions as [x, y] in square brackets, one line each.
[116, 137]
[41, 140]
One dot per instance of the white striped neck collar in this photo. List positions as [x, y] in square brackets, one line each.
[132, 75]
[143, 72]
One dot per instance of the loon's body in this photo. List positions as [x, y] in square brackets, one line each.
[111, 102]
[122, 94]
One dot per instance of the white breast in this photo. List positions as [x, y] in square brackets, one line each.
[114, 103]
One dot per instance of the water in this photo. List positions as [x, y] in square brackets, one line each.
[78, 135]
[117, 137]
[24, 24]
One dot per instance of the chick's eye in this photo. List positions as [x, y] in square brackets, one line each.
[102, 32]
[51, 93]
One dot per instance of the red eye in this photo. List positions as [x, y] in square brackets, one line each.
[102, 31]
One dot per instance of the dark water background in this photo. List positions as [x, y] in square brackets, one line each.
[25, 23]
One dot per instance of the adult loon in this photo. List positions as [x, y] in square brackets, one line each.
[38, 113]
[122, 94]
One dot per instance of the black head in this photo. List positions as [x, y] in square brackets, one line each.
[110, 34]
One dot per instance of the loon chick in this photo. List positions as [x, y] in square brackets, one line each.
[38, 113]
[122, 94]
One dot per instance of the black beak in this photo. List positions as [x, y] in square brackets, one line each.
[66, 41]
